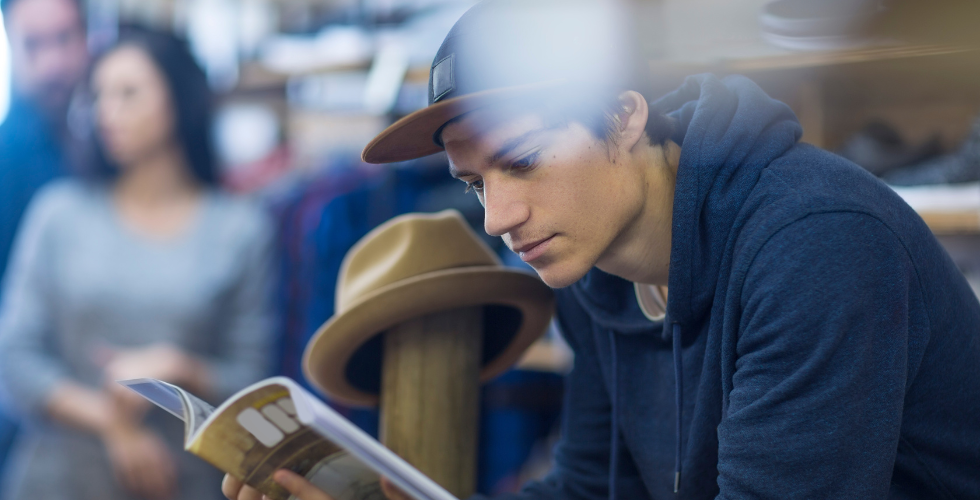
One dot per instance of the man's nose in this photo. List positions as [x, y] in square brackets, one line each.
[505, 208]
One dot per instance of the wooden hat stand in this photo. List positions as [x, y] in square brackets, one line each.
[430, 395]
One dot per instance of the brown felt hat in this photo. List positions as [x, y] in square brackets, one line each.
[411, 266]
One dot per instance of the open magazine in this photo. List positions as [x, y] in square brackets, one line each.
[276, 424]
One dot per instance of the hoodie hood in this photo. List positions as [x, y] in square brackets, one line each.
[729, 130]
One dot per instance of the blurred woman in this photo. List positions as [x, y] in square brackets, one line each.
[147, 271]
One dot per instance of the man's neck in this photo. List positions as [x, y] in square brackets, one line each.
[641, 254]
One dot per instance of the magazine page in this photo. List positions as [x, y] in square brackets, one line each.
[316, 415]
[176, 401]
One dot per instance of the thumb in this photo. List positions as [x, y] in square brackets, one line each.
[393, 492]
[299, 486]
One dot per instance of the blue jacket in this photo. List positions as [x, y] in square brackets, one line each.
[30, 157]
[819, 342]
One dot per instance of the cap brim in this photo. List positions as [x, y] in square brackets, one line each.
[414, 135]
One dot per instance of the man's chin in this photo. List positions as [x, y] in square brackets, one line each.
[559, 276]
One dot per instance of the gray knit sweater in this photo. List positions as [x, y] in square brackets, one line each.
[79, 280]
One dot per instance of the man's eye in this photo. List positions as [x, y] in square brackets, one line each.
[526, 162]
[474, 186]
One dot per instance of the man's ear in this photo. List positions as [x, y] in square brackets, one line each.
[631, 118]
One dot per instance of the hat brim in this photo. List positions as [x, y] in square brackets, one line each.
[330, 351]
[413, 136]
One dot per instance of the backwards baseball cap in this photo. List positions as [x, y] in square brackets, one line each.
[500, 50]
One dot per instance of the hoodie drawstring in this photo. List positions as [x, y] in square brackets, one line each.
[679, 401]
[614, 438]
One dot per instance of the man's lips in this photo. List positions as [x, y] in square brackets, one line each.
[533, 250]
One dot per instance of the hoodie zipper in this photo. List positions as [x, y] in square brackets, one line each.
[614, 434]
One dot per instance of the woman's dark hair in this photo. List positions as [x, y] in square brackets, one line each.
[189, 94]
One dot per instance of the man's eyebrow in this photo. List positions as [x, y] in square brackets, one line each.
[506, 148]
[512, 144]
[456, 173]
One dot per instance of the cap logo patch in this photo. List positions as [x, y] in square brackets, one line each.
[443, 79]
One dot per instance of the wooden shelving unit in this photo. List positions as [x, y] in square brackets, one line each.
[953, 223]
[921, 89]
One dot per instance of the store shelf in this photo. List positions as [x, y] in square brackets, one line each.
[952, 223]
[836, 58]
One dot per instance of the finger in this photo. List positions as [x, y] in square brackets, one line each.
[131, 466]
[250, 493]
[234, 489]
[163, 473]
[155, 466]
[168, 470]
[230, 486]
[143, 475]
[299, 486]
[156, 486]
[393, 492]
[125, 473]
[120, 475]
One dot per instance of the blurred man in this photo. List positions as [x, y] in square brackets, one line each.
[48, 60]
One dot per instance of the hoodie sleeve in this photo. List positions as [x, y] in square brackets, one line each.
[815, 403]
[581, 457]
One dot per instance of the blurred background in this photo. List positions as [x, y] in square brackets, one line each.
[293, 90]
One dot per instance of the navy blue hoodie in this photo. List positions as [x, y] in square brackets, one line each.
[819, 342]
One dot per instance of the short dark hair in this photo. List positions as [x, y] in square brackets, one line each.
[599, 117]
[596, 111]
[189, 93]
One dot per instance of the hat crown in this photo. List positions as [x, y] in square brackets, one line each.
[504, 43]
[406, 247]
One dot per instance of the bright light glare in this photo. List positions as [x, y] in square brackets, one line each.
[4, 71]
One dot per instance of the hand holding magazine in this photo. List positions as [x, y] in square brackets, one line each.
[276, 424]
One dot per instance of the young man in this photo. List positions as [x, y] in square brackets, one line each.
[816, 342]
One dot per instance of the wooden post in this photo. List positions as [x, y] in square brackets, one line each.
[429, 395]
